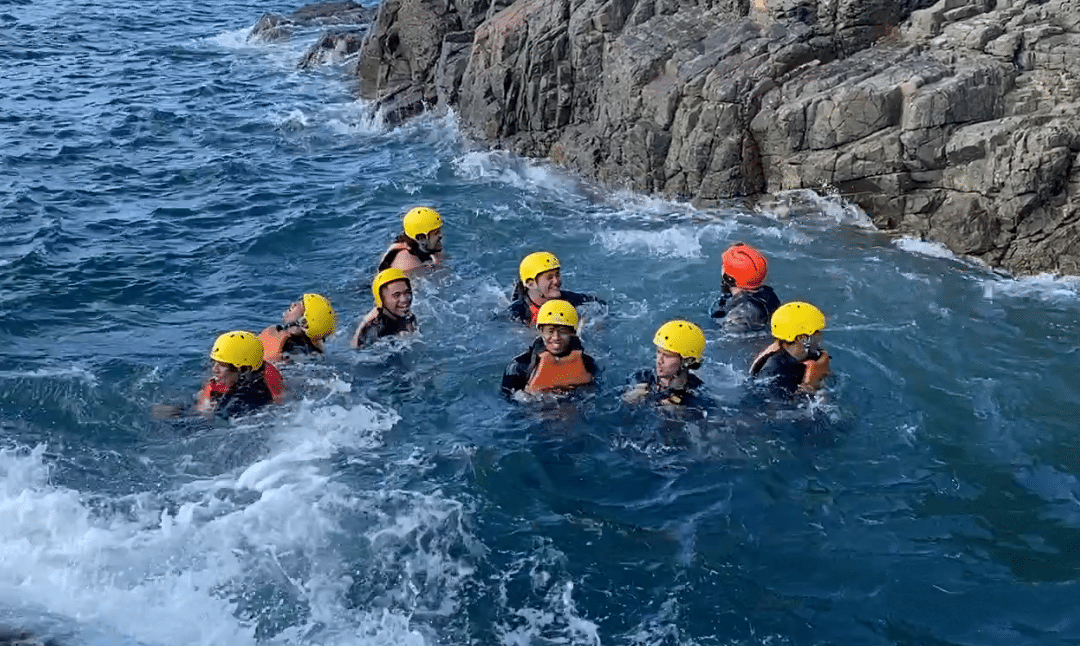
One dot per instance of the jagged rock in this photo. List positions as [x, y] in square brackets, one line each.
[332, 47]
[954, 120]
[271, 28]
[274, 27]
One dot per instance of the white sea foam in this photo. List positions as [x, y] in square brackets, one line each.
[500, 166]
[176, 568]
[1045, 287]
[672, 242]
[76, 372]
[232, 39]
[925, 248]
[805, 202]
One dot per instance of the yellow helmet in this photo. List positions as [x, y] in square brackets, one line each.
[319, 318]
[557, 312]
[681, 337]
[535, 264]
[793, 319]
[421, 220]
[238, 348]
[384, 278]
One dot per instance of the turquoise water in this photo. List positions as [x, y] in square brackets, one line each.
[162, 181]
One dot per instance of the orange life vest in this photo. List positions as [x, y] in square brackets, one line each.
[558, 373]
[534, 311]
[273, 340]
[816, 370]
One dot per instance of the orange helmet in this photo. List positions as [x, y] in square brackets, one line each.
[746, 266]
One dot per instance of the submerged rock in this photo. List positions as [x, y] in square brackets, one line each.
[955, 121]
[274, 27]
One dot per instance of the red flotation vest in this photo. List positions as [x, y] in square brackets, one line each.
[559, 373]
[271, 376]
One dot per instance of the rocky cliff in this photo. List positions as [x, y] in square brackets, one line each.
[955, 121]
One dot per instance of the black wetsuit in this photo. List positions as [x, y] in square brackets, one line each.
[520, 311]
[385, 325]
[520, 370]
[249, 393]
[747, 311]
[687, 396]
[414, 249]
[297, 343]
[783, 372]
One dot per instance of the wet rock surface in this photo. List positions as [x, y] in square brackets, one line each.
[955, 121]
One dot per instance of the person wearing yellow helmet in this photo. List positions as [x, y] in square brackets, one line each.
[392, 292]
[556, 361]
[303, 329]
[240, 380]
[539, 281]
[746, 303]
[420, 244]
[794, 362]
[680, 347]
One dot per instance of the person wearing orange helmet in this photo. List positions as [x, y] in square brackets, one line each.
[392, 314]
[539, 281]
[556, 361]
[420, 244]
[746, 303]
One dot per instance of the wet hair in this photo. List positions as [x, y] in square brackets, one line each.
[519, 291]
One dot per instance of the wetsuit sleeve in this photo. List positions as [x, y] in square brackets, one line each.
[745, 317]
[783, 373]
[243, 399]
[577, 299]
[719, 307]
[368, 331]
[591, 366]
[517, 312]
[516, 375]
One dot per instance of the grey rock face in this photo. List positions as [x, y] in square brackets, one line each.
[956, 121]
[274, 27]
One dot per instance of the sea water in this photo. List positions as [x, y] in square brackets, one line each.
[163, 180]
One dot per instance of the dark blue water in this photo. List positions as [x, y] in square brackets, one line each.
[162, 181]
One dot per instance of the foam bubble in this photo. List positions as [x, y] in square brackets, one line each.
[924, 247]
[675, 242]
[1046, 287]
[76, 372]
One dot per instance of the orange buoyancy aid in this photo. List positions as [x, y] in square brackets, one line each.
[534, 311]
[763, 356]
[816, 370]
[273, 339]
[557, 373]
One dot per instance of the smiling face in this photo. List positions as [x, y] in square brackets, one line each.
[556, 338]
[397, 298]
[545, 286]
[668, 364]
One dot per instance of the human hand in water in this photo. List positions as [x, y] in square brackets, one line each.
[636, 394]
